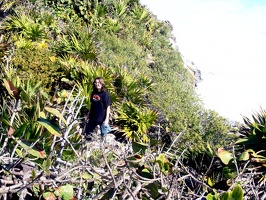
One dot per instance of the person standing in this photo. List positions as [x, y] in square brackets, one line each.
[99, 109]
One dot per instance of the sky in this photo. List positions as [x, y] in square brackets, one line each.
[226, 41]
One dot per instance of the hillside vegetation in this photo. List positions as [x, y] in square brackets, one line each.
[172, 147]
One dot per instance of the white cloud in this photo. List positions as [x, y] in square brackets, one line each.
[226, 39]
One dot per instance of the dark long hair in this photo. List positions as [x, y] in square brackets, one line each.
[100, 79]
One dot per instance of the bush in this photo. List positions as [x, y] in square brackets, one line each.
[38, 65]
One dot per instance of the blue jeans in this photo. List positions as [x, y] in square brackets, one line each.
[105, 130]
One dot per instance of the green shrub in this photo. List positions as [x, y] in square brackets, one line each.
[39, 65]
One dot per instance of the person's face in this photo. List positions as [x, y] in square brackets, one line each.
[98, 84]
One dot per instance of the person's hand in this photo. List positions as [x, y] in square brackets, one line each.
[105, 122]
[87, 118]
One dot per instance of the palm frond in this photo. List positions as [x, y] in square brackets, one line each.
[142, 15]
[120, 8]
[135, 121]
[254, 131]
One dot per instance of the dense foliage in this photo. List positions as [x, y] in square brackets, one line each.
[51, 50]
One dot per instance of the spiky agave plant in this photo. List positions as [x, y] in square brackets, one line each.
[141, 14]
[25, 25]
[134, 121]
[79, 43]
[254, 131]
[132, 85]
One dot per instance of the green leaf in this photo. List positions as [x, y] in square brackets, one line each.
[42, 115]
[146, 174]
[153, 190]
[167, 167]
[225, 196]
[210, 197]
[139, 147]
[209, 149]
[24, 95]
[134, 160]
[225, 156]
[36, 190]
[109, 194]
[52, 128]
[66, 192]
[56, 113]
[164, 189]
[86, 176]
[245, 155]
[251, 140]
[35, 150]
[19, 153]
[229, 172]
[257, 155]
[49, 196]
[33, 174]
[46, 165]
[237, 193]
[4, 121]
[161, 159]
[164, 163]
[210, 182]
[21, 130]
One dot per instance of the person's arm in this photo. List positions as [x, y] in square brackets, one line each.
[87, 117]
[106, 121]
